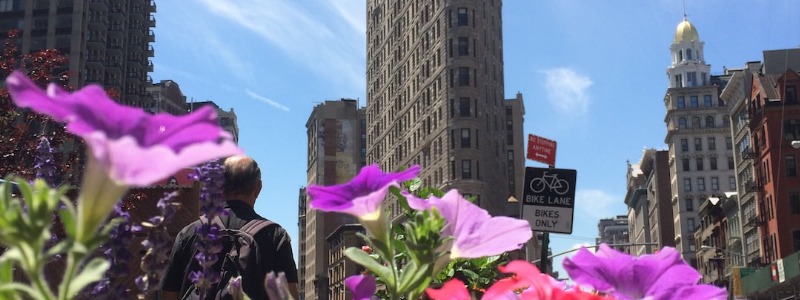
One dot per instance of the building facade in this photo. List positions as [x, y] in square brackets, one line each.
[336, 152]
[614, 231]
[775, 125]
[698, 136]
[227, 119]
[166, 96]
[435, 95]
[648, 201]
[107, 41]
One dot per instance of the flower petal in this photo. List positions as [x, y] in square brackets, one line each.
[363, 287]
[453, 289]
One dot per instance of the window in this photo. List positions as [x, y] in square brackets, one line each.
[712, 163]
[510, 154]
[707, 100]
[687, 184]
[699, 163]
[452, 169]
[462, 18]
[690, 224]
[791, 94]
[452, 139]
[691, 78]
[689, 55]
[791, 166]
[732, 183]
[709, 122]
[695, 122]
[715, 183]
[463, 45]
[463, 107]
[466, 169]
[698, 144]
[465, 138]
[681, 102]
[701, 184]
[682, 123]
[686, 164]
[791, 129]
[463, 76]
[796, 240]
[730, 163]
[694, 101]
[728, 143]
[678, 80]
[689, 203]
[794, 202]
[712, 143]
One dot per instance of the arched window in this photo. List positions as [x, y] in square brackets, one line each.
[682, 123]
[709, 122]
[680, 55]
[696, 122]
[688, 54]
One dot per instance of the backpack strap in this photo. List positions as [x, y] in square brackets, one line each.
[254, 226]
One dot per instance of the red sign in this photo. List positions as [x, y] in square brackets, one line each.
[542, 150]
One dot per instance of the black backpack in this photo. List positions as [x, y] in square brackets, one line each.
[241, 258]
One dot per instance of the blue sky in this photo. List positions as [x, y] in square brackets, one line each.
[593, 75]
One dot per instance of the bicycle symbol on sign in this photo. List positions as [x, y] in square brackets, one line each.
[551, 181]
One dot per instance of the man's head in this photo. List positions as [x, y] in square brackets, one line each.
[242, 179]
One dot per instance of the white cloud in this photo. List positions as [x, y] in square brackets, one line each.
[568, 91]
[322, 44]
[596, 203]
[266, 100]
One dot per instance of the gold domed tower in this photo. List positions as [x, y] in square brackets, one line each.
[686, 32]
[688, 68]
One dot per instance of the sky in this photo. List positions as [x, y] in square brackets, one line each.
[592, 74]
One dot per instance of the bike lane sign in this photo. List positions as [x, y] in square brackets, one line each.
[549, 199]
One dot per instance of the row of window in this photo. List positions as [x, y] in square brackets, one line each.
[696, 123]
[699, 163]
[711, 144]
[694, 101]
[701, 184]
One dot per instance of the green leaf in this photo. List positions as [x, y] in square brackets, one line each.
[6, 270]
[362, 258]
[68, 214]
[9, 290]
[414, 184]
[92, 272]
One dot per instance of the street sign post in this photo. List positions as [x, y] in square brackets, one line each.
[542, 150]
[549, 199]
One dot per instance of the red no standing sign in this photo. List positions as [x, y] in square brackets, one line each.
[542, 150]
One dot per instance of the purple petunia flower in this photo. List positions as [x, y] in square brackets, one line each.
[127, 146]
[277, 286]
[475, 233]
[659, 276]
[363, 287]
[362, 196]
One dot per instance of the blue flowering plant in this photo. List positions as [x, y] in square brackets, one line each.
[127, 147]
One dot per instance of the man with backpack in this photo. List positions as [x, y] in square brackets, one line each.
[253, 245]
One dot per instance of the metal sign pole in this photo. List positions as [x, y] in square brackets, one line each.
[543, 260]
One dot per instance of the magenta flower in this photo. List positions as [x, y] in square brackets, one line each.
[127, 146]
[475, 233]
[659, 276]
[453, 289]
[362, 196]
[363, 287]
[136, 148]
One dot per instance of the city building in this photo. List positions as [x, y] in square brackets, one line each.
[336, 152]
[435, 96]
[340, 267]
[107, 41]
[166, 96]
[775, 126]
[649, 205]
[711, 237]
[736, 93]
[614, 231]
[698, 136]
[227, 119]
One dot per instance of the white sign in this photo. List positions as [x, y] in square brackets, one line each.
[781, 272]
[549, 199]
